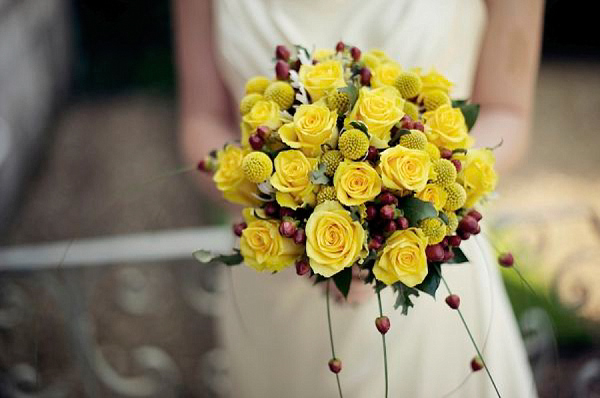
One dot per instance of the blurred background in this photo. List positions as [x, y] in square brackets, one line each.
[87, 133]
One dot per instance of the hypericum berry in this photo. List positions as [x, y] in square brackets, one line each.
[248, 102]
[419, 126]
[256, 142]
[390, 226]
[468, 224]
[448, 255]
[382, 324]
[409, 84]
[464, 235]
[476, 364]
[287, 229]
[506, 260]
[271, 209]
[432, 150]
[282, 70]
[477, 230]
[282, 52]
[445, 153]
[387, 198]
[378, 238]
[475, 214]
[433, 99]
[339, 47]
[338, 101]
[374, 244]
[387, 212]
[353, 144]
[454, 240]
[372, 154]
[414, 140]
[434, 228]
[286, 212]
[257, 84]
[457, 164]
[355, 53]
[365, 76]
[239, 228]
[453, 301]
[257, 167]
[457, 197]
[371, 212]
[335, 365]
[444, 172]
[411, 110]
[263, 132]
[435, 253]
[302, 267]
[326, 193]
[300, 236]
[281, 93]
[202, 165]
[402, 223]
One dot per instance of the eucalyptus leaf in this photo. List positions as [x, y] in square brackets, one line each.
[416, 210]
[206, 256]
[352, 93]
[360, 126]
[470, 112]
[432, 281]
[342, 281]
[403, 296]
[444, 217]
[457, 103]
[318, 176]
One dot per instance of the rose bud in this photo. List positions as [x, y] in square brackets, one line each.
[286, 212]
[365, 77]
[239, 228]
[339, 47]
[445, 153]
[387, 212]
[448, 255]
[435, 253]
[453, 301]
[287, 229]
[371, 212]
[402, 223]
[468, 224]
[387, 198]
[382, 324]
[454, 240]
[476, 364]
[374, 244]
[355, 53]
[299, 236]
[372, 154]
[335, 365]
[419, 126]
[302, 267]
[506, 260]
[475, 214]
[256, 142]
[262, 131]
[271, 209]
[390, 226]
[281, 52]
[464, 235]
[457, 164]
[282, 70]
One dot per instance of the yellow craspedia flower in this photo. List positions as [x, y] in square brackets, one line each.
[333, 240]
[319, 79]
[411, 109]
[292, 179]
[248, 102]
[323, 54]
[443, 172]
[433, 99]
[434, 80]
[414, 140]
[435, 194]
[338, 101]
[257, 84]
[263, 247]
[326, 193]
[257, 167]
[434, 229]
[403, 168]
[433, 151]
[353, 144]
[263, 113]
[385, 74]
[313, 126]
[456, 197]
[281, 93]
[229, 177]
[452, 221]
[447, 128]
[478, 176]
[332, 160]
[356, 183]
[408, 84]
[403, 258]
[379, 109]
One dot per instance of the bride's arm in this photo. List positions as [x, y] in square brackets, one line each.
[506, 77]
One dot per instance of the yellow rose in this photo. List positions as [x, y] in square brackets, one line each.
[292, 179]
[404, 168]
[356, 183]
[435, 81]
[446, 128]
[333, 240]
[322, 54]
[230, 179]
[435, 194]
[373, 58]
[319, 79]
[263, 113]
[477, 176]
[263, 247]
[385, 74]
[379, 109]
[313, 126]
[403, 258]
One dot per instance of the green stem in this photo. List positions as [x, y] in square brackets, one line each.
[337, 376]
[464, 322]
[385, 361]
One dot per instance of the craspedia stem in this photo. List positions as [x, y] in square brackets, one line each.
[385, 362]
[337, 376]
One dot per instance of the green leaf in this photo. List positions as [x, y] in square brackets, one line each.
[432, 281]
[318, 176]
[355, 213]
[444, 217]
[457, 103]
[416, 210]
[342, 280]
[403, 296]
[320, 278]
[352, 93]
[205, 257]
[360, 126]
[459, 257]
[470, 112]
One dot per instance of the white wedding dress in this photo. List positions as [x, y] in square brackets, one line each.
[278, 343]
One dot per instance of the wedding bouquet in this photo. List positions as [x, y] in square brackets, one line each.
[347, 160]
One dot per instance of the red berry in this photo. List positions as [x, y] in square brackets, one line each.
[372, 154]
[286, 212]
[448, 255]
[335, 365]
[300, 236]
[454, 240]
[387, 212]
[295, 65]
[387, 198]
[365, 77]
[476, 364]
[464, 235]
[378, 238]
[201, 165]
[287, 229]
[355, 53]
[506, 260]
[402, 223]
[435, 253]
[271, 209]
[339, 47]
[475, 214]
[374, 244]
[282, 70]
[445, 153]
[418, 126]
[371, 212]
[382, 324]
[405, 119]
[239, 228]
[282, 52]
[256, 142]
[302, 267]
[477, 230]
[390, 226]
[468, 224]
[262, 132]
[457, 164]
[453, 301]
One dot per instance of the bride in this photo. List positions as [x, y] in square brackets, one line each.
[277, 344]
